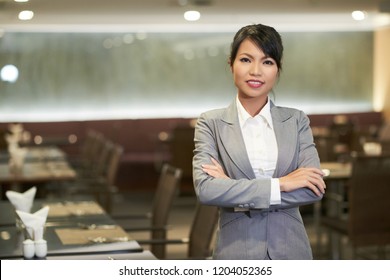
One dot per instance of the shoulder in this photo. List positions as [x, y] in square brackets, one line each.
[216, 118]
[285, 113]
[227, 114]
[213, 114]
[210, 119]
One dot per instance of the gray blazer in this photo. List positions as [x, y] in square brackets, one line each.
[276, 229]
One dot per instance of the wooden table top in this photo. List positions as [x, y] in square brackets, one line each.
[42, 164]
[66, 233]
[336, 170]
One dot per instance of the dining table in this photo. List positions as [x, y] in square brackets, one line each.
[336, 176]
[77, 229]
[333, 203]
[41, 165]
[37, 153]
[336, 170]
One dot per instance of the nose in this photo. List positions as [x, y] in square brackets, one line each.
[256, 69]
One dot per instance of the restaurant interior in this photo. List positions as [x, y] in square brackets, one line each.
[99, 100]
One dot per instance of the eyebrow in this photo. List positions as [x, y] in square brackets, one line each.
[251, 56]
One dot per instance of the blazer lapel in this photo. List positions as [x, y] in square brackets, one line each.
[285, 130]
[231, 138]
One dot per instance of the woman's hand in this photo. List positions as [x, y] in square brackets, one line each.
[311, 178]
[214, 169]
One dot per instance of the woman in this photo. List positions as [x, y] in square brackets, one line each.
[257, 162]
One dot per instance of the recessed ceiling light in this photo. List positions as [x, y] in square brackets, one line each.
[26, 15]
[358, 15]
[9, 73]
[192, 15]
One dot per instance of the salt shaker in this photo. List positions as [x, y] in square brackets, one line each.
[40, 248]
[28, 249]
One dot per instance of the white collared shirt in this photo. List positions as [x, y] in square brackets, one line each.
[261, 145]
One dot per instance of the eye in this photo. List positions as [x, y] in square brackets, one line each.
[245, 59]
[269, 62]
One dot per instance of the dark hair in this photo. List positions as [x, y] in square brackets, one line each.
[265, 37]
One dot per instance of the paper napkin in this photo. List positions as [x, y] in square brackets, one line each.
[34, 223]
[22, 201]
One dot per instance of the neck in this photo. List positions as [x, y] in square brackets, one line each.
[253, 105]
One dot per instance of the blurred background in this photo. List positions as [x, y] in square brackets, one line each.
[139, 73]
[137, 70]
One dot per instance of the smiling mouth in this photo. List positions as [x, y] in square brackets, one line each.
[255, 83]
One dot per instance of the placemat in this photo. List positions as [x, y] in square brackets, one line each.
[75, 236]
[74, 209]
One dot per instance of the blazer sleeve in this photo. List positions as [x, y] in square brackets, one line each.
[240, 191]
[306, 156]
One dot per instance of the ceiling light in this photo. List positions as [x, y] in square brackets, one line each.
[21, 0]
[26, 15]
[358, 15]
[9, 73]
[192, 15]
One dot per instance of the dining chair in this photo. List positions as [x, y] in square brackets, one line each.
[167, 187]
[105, 184]
[99, 181]
[182, 147]
[201, 234]
[366, 222]
[342, 136]
[90, 150]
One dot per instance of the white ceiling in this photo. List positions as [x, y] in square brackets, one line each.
[167, 15]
